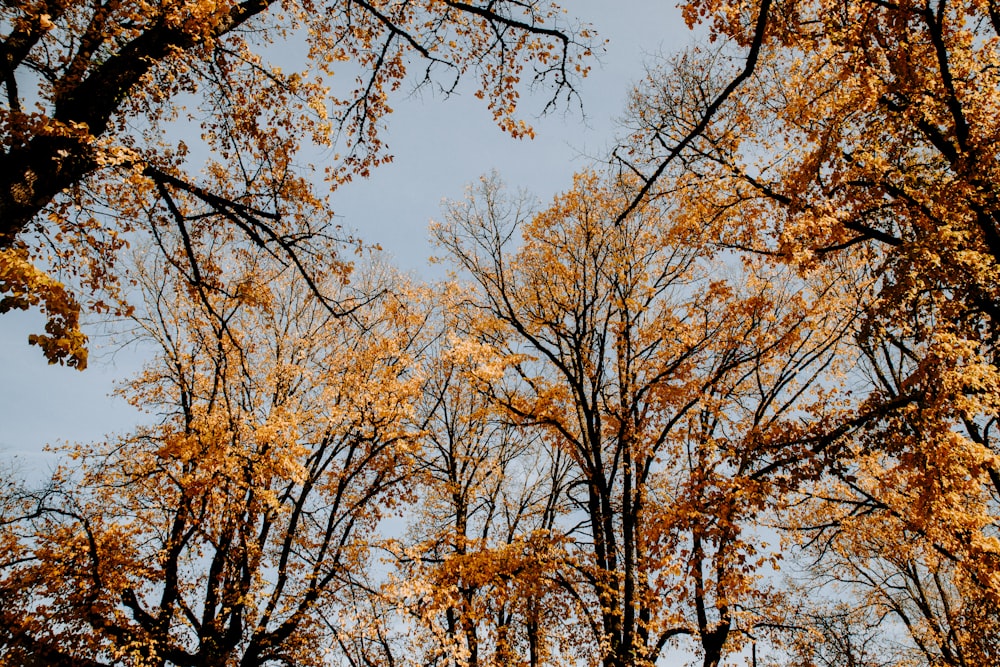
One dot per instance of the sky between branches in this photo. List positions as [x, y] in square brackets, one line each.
[440, 146]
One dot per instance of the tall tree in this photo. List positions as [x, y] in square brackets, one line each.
[477, 566]
[674, 392]
[864, 129]
[96, 134]
[235, 529]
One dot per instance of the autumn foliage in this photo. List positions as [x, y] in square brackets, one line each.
[230, 529]
[732, 396]
[670, 379]
[865, 132]
[97, 95]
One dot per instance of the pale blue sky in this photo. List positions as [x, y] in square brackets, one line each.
[440, 146]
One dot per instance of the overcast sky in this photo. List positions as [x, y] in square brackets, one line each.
[440, 146]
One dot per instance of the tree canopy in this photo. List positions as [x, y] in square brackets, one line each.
[733, 394]
[864, 132]
[95, 92]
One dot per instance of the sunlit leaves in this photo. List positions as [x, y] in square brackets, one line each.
[104, 101]
[235, 525]
[671, 378]
[867, 135]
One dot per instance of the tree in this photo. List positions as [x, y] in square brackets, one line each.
[861, 534]
[236, 530]
[863, 130]
[675, 393]
[94, 106]
[476, 568]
